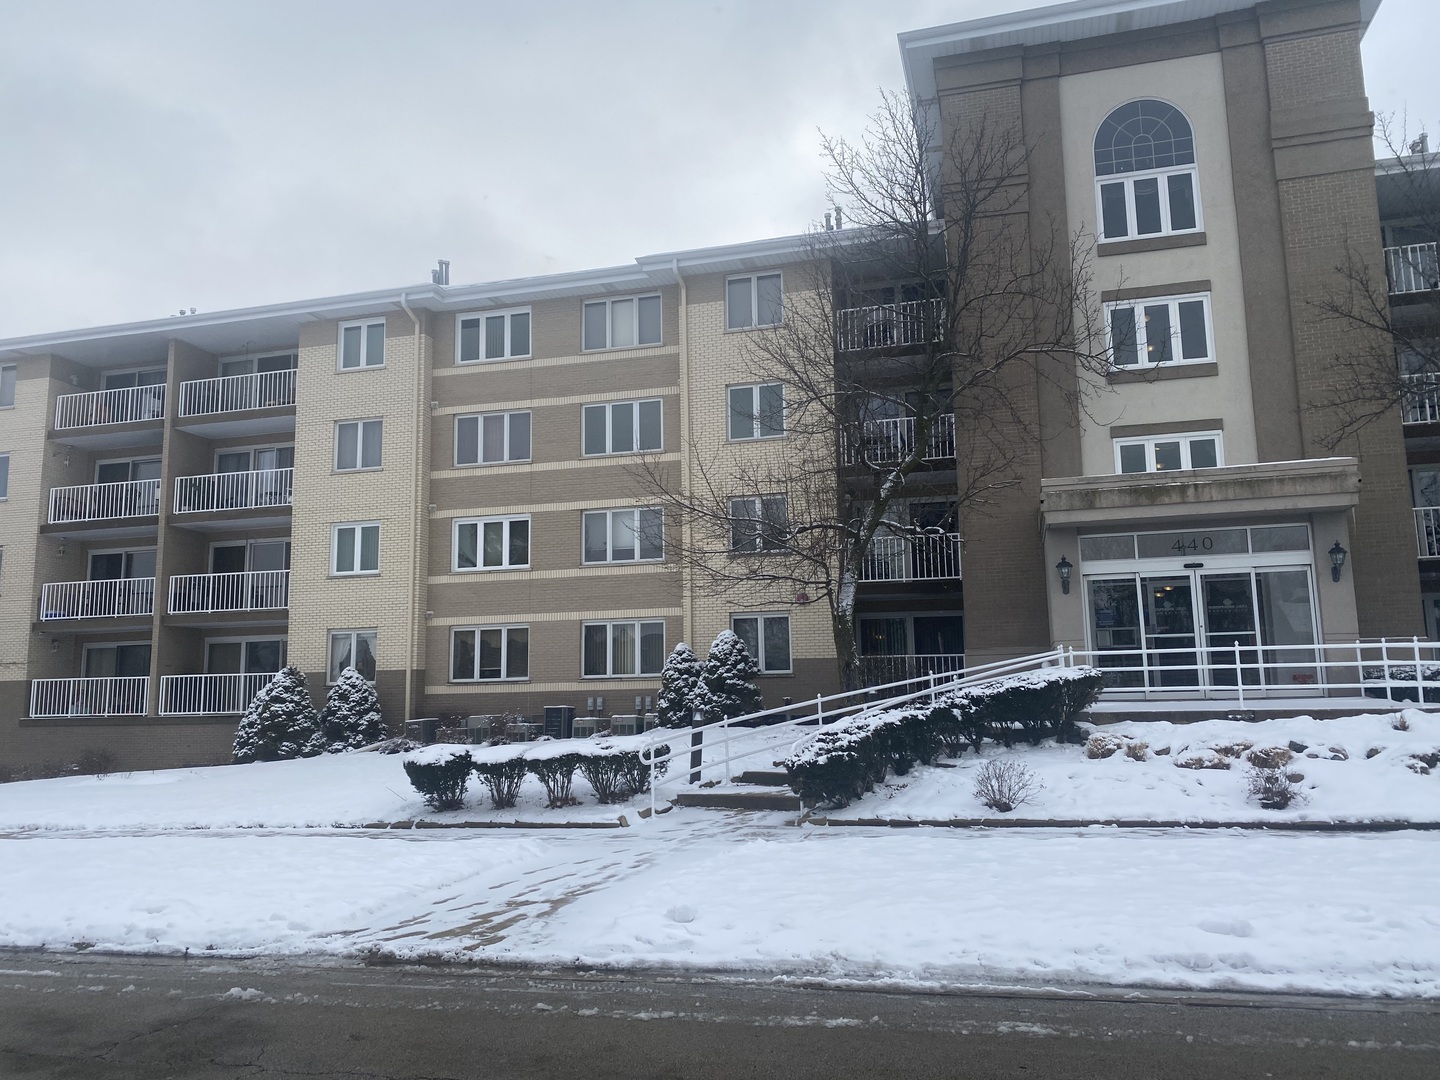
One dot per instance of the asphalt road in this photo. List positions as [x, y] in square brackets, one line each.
[82, 1016]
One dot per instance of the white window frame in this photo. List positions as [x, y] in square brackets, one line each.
[13, 382]
[760, 619]
[505, 630]
[358, 527]
[609, 407]
[1184, 438]
[755, 412]
[609, 516]
[479, 523]
[1142, 343]
[610, 625]
[509, 315]
[758, 502]
[360, 444]
[609, 303]
[1161, 176]
[479, 419]
[354, 636]
[754, 279]
[365, 363]
[243, 639]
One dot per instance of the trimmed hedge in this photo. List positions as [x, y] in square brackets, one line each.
[844, 762]
[441, 779]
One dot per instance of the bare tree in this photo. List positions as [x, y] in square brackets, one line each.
[912, 338]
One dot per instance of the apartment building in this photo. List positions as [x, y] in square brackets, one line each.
[1217, 154]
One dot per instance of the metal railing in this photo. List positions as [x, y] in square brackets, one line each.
[1412, 268]
[233, 491]
[914, 322]
[893, 439]
[109, 598]
[912, 558]
[883, 670]
[251, 590]
[1420, 398]
[98, 407]
[209, 695]
[104, 502]
[114, 696]
[236, 393]
[1427, 531]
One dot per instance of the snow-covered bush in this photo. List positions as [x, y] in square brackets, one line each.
[728, 679]
[503, 776]
[1102, 745]
[280, 722]
[617, 772]
[833, 768]
[556, 774]
[351, 717]
[1272, 788]
[398, 746]
[1136, 750]
[1202, 759]
[440, 774]
[682, 687]
[1002, 784]
[1269, 757]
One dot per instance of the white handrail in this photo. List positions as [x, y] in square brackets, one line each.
[893, 438]
[209, 695]
[237, 393]
[1412, 268]
[99, 407]
[113, 696]
[233, 491]
[251, 590]
[911, 322]
[1427, 531]
[1420, 395]
[912, 558]
[104, 502]
[110, 597]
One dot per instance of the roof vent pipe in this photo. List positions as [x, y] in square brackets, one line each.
[441, 274]
[829, 225]
[839, 219]
[1422, 144]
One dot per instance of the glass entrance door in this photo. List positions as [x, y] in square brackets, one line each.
[1170, 629]
[1230, 630]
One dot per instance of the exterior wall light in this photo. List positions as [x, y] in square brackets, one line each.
[1337, 560]
[1064, 566]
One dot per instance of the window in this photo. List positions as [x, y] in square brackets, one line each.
[768, 639]
[492, 544]
[257, 365]
[492, 438]
[624, 535]
[355, 549]
[758, 524]
[755, 300]
[1162, 453]
[352, 648]
[757, 412]
[124, 380]
[357, 445]
[501, 335]
[621, 324]
[362, 345]
[623, 648]
[4, 476]
[623, 427]
[483, 653]
[1163, 330]
[7, 386]
[1148, 148]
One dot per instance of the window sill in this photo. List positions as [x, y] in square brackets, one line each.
[620, 453]
[348, 472]
[1161, 373]
[489, 682]
[756, 439]
[486, 569]
[752, 329]
[1150, 243]
[637, 675]
[482, 361]
[622, 348]
[362, 367]
[341, 575]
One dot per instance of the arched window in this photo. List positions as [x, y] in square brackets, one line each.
[1145, 172]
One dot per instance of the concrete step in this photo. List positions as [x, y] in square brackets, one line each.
[760, 799]
[764, 778]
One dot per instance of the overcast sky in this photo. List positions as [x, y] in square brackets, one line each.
[222, 153]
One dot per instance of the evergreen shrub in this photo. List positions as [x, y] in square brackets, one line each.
[441, 778]
[280, 722]
[351, 717]
[556, 774]
[682, 687]
[503, 776]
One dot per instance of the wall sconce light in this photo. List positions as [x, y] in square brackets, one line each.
[1337, 560]
[1064, 566]
[60, 547]
[54, 644]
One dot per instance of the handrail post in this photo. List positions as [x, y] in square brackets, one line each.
[697, 738]
[819, 711]
[1239, 675]
[1419, 672]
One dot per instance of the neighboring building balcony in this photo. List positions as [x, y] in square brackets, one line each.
[1427, 531]
[1420, 397]
[104, 502]
[889, 326]
[233, 491]
[113, 598]
[884, 670]
[98, 408]
[253, 590]
[913, 558]
[892, 440]
[113, 696]
[209, 695]
[1412, 269]
[237, 393]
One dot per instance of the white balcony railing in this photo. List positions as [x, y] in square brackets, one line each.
[254, 590]
[1420, 396]
[233, 491]
[892, 440]
[104, 502]
[914, 322]
[236, 393]
[110, 598]
[884, 670]
[209, 695]
[1412, 268]
[115, 696]
[917, 558]
[1427, 531]
[122, 406]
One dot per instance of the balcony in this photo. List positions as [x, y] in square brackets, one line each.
[254, 590]
[890, 441]
[100, 407]
[104, 502]
[237, 393]
[884, 670]
[1412, 269]
[913, 558]
[233, 491]
[888, 326]
[112, 599]
[209, 695]
[1420, 398]
[1427, 531]
[114, 696]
